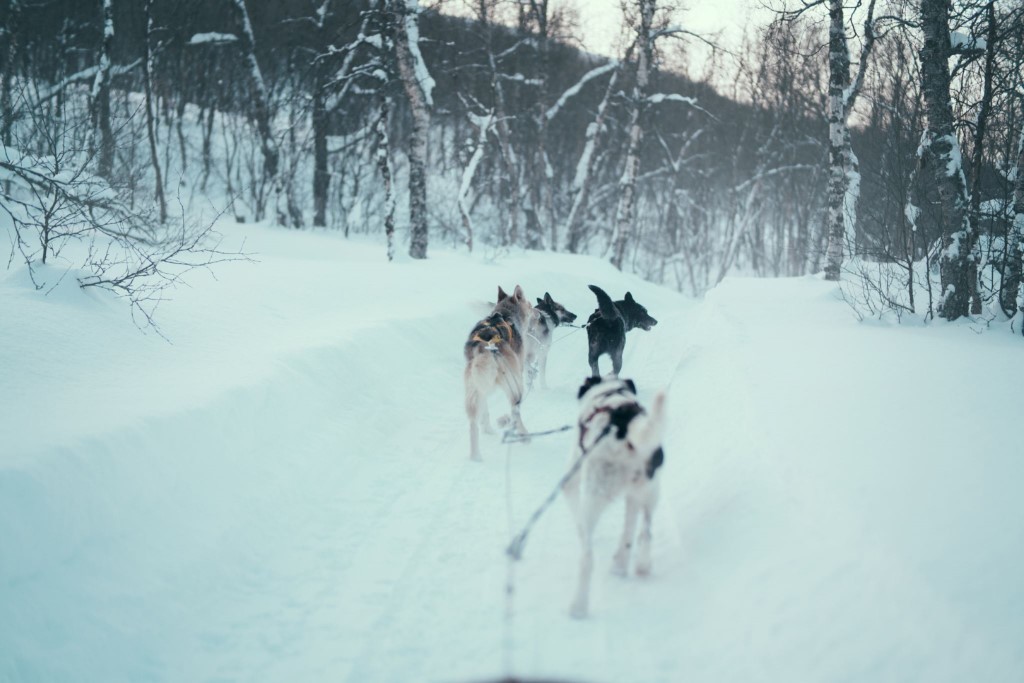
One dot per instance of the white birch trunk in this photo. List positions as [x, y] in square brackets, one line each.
[957, 271]
[1011, 295]
[147, 82]
[102, 135]
[580, 189]
[10, 55]
[384, 165]
[418, 86]
[844, 172]
[625, 214]
[483, 124]
[260, 110]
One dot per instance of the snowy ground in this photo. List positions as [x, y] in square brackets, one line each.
[284, 492]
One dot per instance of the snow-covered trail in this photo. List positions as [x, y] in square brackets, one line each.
[285, 493]
[266, 502]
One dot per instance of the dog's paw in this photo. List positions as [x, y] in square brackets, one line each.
[643, 568]
[620, 566]
[578, 610]
[504, 420]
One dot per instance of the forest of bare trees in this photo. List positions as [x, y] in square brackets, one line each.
[881, 142]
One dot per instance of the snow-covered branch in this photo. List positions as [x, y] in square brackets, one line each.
[84, 76]
[212, 38]
[575, 89]
[658, 98]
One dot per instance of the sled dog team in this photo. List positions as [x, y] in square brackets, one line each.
[618, 439]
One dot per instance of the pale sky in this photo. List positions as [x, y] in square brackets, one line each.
[601, 21]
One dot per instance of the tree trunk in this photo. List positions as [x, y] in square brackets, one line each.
[321, 176]
[384, 164]
[957, 270]
[10, 55]
[625, 214]
[838, 138]
[844, 171]
[977, 162]
[207, 140]
[418, 86]
[542, 180]
[260, 103]
[1011, 293]
[104, 148]
[512, 190]
[483, 125]
[147, 82]
[580, 190]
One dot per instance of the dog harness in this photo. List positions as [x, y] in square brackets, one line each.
[495, 329]
[619, 416]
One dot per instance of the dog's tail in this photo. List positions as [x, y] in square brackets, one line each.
[604, 303]
[649, 432]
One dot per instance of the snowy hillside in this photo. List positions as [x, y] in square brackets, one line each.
[283, 492]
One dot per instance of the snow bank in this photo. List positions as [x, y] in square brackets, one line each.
[284, 492]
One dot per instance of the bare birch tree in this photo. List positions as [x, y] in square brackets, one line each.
[579, 190]
[147, 83]
[1011, 294]
[259, 108]
[625, 213]
[419, 87]
[844, 176]
[384, 166]
[321, 176]
[957, 269]
[102, 134]
[10, 54]
[980, 131]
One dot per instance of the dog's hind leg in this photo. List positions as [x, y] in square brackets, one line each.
[593, 506]
[616, 361]
[643, 546]
[542, 364]
[620, 563]
[485, 417]
[513, 387]
[472, 410]
[571, 490]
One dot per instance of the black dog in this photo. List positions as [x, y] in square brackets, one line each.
[607, 327]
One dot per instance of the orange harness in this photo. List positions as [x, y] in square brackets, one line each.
[497, 329]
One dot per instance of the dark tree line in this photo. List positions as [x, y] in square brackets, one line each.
[490, 129]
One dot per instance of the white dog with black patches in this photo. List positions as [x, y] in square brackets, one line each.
[620, 444]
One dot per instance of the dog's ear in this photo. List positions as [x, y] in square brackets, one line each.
[587, 384]
[501, 294]
[540, 302]
[518, 293]
[548, 299]
[631, 384]
[629, 297]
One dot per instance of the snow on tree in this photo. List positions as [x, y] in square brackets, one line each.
[259, 110]
[102, 134]
[625, 213]
[957, 268]
[419, 87]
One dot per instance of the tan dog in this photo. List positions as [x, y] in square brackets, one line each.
[621, 444]
[495, 359]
